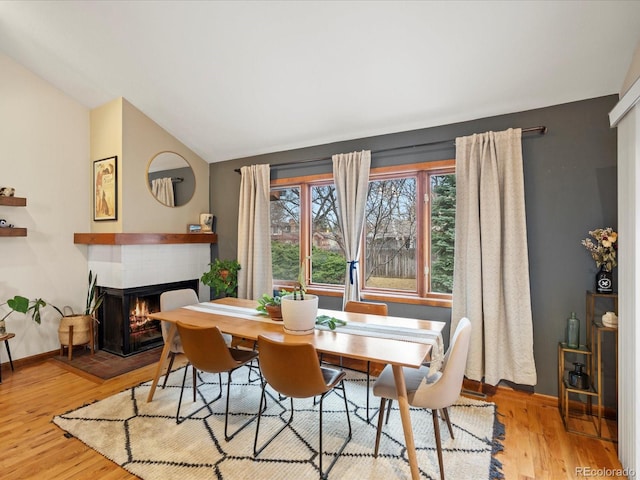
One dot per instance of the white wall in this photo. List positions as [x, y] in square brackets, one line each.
[44, 155]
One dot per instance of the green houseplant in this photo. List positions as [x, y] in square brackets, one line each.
[77, 329]
[22, 304]
[271, 305]
[222, 277]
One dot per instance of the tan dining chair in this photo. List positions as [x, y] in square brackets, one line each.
[207, 351]
[436, 392]
[371, 308]
[307, 379]
[171, 300]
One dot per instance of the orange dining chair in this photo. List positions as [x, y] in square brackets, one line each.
[171, 300]
[371, 308]
[207, 351]
[293, 370]
[436, 392]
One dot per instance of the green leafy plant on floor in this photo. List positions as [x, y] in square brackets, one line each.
[22, 304]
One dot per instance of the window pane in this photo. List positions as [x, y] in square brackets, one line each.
[285, 233]
[391, 234]
[328, 264]
[443, 222]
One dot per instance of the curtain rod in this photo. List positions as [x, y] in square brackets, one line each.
[541, 129]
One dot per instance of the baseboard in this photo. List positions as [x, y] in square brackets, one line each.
[38, 358]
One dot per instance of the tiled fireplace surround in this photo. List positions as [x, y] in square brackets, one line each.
[131, 266]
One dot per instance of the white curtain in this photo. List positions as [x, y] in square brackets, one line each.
[254, 233]
[351, 178]
[491, 266]
[162, 189]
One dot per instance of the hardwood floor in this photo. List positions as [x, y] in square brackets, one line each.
[536, 445]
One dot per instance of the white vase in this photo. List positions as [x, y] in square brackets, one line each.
[299, 316]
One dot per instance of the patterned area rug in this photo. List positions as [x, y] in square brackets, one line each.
[144, 438]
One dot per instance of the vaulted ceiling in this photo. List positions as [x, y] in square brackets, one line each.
[232, 79]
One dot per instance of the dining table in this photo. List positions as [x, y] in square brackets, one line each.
[397, 341]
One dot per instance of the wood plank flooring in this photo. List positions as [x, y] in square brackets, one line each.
[536, 445]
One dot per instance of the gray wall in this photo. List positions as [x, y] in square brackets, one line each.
[570, 188]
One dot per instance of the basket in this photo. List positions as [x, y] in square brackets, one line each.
[79, 334]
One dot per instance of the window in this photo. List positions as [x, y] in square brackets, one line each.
[407, 245]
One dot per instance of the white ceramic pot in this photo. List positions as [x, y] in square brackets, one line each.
[299, 316]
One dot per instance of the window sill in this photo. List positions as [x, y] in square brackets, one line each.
[443, 301]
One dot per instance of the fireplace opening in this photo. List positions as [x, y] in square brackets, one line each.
[125, 327]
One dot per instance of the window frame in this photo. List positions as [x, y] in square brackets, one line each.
[422, 171]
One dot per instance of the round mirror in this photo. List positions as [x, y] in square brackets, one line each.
[170, 179]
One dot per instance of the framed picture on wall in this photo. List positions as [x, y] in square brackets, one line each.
[105, 189]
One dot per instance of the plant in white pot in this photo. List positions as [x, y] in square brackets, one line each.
[77, 329]
[299, 309]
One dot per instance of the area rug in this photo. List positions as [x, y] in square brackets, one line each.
[144, 438]
[105, 365]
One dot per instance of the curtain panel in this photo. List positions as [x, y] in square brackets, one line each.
[254, 233]
[491, 266]
[351, 178]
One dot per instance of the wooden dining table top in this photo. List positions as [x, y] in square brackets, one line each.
[361, 347]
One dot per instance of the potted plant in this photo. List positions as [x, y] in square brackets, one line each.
[299, 309]
[272, 305]
[22, 304]
[222, 277]
[77, 329]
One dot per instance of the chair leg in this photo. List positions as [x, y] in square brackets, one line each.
[263, 401]
[172, 357]
[388, 411]
[228, 437]
[379, 430]
[324, 475]
[436, 430]
[207, 404]
[445, 414]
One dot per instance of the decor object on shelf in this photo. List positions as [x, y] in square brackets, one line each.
[207, 221]
[7, 191]
[573, 331]
[577, 378]
[222, 277]
[610, 319]
[5, 224]
[194, 228]
[604, 253]
[105, 189]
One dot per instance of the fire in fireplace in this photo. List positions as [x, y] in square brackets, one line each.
[125, 327]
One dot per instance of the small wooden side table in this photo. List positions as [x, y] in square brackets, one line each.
[6, 337]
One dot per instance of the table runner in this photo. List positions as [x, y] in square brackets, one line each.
[415, 335]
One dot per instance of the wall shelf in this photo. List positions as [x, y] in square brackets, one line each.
[13, 232]
[143, 238]
[13, 201]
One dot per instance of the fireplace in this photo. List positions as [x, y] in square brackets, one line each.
[125, 328]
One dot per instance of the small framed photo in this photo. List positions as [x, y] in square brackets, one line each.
[105, 189]
[194, 228]
[206, 220]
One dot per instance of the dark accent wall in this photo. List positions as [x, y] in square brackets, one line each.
[570, 188]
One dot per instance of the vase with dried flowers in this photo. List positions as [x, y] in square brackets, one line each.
[604, 253]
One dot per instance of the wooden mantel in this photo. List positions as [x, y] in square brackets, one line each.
[143, 238]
